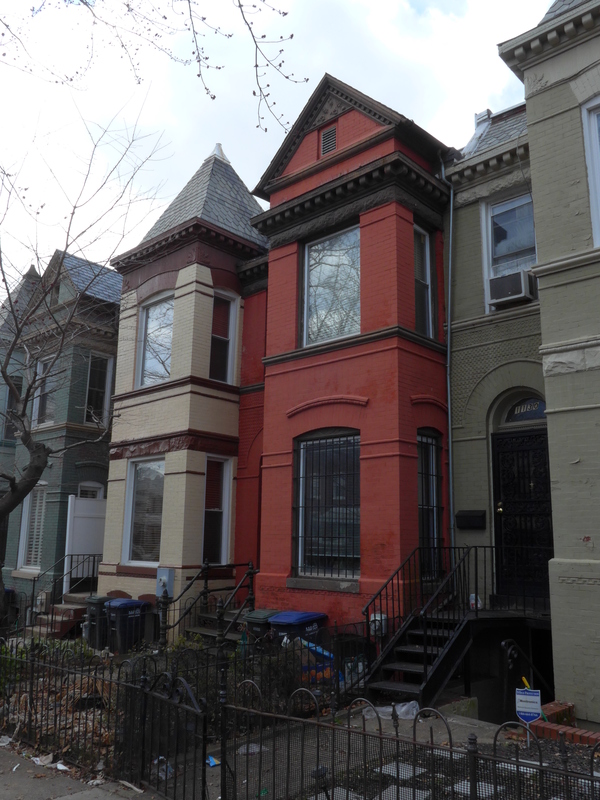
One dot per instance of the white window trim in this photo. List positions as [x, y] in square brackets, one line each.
[107, 387]
[305, 342]
[427, 236]
[128, 518]
[38, 393]
[234, 304]
[227, 498]
[24, 530]
[485, 214]
[142, 320]
[591, 139]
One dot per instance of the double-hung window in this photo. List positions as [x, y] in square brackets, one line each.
[423, 306]
[10, 429]
[98, 391]
[216, 511]
[156, 336]
[222, 342]
[44, 404]
[145, 491]
[328, 505]
[332, 288]
[591, 136]
[512, 236]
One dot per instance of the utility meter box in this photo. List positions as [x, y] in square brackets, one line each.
[165, 579]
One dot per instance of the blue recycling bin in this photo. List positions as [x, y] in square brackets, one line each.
[297, 623]
[126, 623]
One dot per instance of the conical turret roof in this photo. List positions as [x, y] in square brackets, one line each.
[217, 195]
[561, 7]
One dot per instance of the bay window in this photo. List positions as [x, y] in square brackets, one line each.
[156, 336]
[145, 491]
[332, 288]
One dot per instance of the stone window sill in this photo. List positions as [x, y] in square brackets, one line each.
[324, 584]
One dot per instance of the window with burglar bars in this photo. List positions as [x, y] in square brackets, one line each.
[430, 501]
[328, 506]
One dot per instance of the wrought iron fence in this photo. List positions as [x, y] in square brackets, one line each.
[129, 720]
[141, 720]
[285, 756]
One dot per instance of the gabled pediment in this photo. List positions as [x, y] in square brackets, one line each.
[332, 99]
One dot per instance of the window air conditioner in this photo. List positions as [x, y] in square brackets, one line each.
[512, 288]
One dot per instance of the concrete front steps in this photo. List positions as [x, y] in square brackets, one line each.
[63, 618]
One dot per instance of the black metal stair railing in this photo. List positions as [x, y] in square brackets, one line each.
[403, 595]
[164, 602]
[80, 568]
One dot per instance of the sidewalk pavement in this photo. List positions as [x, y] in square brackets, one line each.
[21, 779]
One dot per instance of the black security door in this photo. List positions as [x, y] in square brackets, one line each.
[523, 513]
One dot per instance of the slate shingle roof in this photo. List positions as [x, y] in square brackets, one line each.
[561, 7]
[93, 279]
[215, 194]
[502, 127]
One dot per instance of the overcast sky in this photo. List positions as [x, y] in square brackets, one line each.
[435, 61]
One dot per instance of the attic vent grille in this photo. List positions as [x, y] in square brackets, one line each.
[328, 141]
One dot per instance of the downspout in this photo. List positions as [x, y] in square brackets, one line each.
[449, 354]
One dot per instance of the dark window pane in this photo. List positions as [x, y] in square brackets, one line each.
[329, 507]
[9, 427]
[430, 502]
[213, 513]
[219, 355]
[220, 321]
[94, 410]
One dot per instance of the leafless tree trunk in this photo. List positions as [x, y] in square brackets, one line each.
[35, 327]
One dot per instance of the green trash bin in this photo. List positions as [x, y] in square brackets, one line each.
[257, 622]
[97, 622]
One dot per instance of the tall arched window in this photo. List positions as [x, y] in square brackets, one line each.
[430, 500]
[328, 504]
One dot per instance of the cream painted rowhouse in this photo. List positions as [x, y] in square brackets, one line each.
[175, 448]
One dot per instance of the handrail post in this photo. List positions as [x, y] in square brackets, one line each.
[476, 581]
[251, 598]
[472, 757]
[163, 609]
[204, 601]
[220, 623]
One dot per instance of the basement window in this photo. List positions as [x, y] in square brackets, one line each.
[328, 141]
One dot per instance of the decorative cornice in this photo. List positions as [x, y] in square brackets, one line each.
[254, 275]
[394, 169]
[202, 441]
[491, 163]
[193, 230]
[555, 36]
[327, 401]
[396, 331]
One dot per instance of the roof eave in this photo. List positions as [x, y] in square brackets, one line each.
[550, 38]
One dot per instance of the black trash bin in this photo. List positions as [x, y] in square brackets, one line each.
[97, 630]
[126, 623]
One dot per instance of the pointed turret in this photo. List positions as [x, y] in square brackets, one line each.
[217, 195]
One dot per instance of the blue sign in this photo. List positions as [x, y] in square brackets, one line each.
[529, 704]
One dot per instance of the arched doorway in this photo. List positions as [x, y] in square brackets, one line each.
[522, 505]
